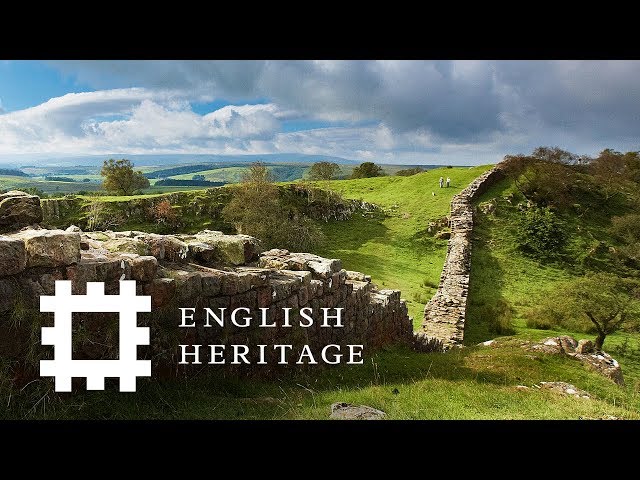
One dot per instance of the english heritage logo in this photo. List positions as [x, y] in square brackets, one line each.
[127, 304]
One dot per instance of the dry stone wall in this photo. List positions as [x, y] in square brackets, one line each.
[205, 270]
[445, 314]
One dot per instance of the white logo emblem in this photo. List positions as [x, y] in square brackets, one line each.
[64, 304]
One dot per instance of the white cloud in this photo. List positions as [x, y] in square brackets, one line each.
[131, 120]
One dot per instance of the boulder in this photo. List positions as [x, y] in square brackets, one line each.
[161, 290]
[228, 249]
[175, 250]
[13, 256]
[142, 268]
[19, 209]
[7, 294]
[582, 350]
[585, 346]
[50, 248]
[127, 245]
[348, 411]
[321, 268]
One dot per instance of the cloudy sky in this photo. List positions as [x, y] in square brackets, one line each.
[429, 112]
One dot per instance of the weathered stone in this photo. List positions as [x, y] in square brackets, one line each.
[143, 268]
[229, 249]
[127, 245]
[585, 346]
[73, 228]
[162, 291]
[175, 250]
[348, 411]
[50, 248]
[13, 256]
[202, 253]
[212, 282]
[321, 268]
[7, 293]
[19, 209]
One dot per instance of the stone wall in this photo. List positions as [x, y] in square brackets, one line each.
[207, 269]
[445, 314]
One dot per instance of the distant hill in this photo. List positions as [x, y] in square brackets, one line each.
[177, 159]
[10, 172]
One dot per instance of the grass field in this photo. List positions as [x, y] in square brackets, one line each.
[396, 250]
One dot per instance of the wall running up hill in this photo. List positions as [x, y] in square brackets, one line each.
[445, 314]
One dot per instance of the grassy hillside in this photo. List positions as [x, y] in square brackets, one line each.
[396, 250]
[502, 272]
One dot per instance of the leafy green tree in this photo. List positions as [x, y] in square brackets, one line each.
[540, 232]
[256, 209]
[626, 228]
[324, 171]
[366, 170]
[605, 300]
[409, 171]
[121, 179]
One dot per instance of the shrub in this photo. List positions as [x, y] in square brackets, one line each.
[409, 171]
[366, 170]
[540, 232]
[163, 212]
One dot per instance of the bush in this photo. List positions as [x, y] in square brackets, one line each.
[367, 170]
[540, 232]
[409, 172]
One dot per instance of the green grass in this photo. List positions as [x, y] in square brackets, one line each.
[396, 250]
[474, 383]
[228, 174]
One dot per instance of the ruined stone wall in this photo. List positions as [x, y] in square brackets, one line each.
[207, 269]
[445, 314]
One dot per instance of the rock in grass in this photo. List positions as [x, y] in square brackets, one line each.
[564, 388]
[348, 411]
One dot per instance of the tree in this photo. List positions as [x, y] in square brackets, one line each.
[627, 229]
[616, 173]
[540, 232]
[546, 177]
[606, 300]
[366, 170]
[163, 212]
[198, 177]
[256, 209]
[409, 171]
[121, 179]
[324, 171]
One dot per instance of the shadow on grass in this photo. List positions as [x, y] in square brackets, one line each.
[488, 313]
